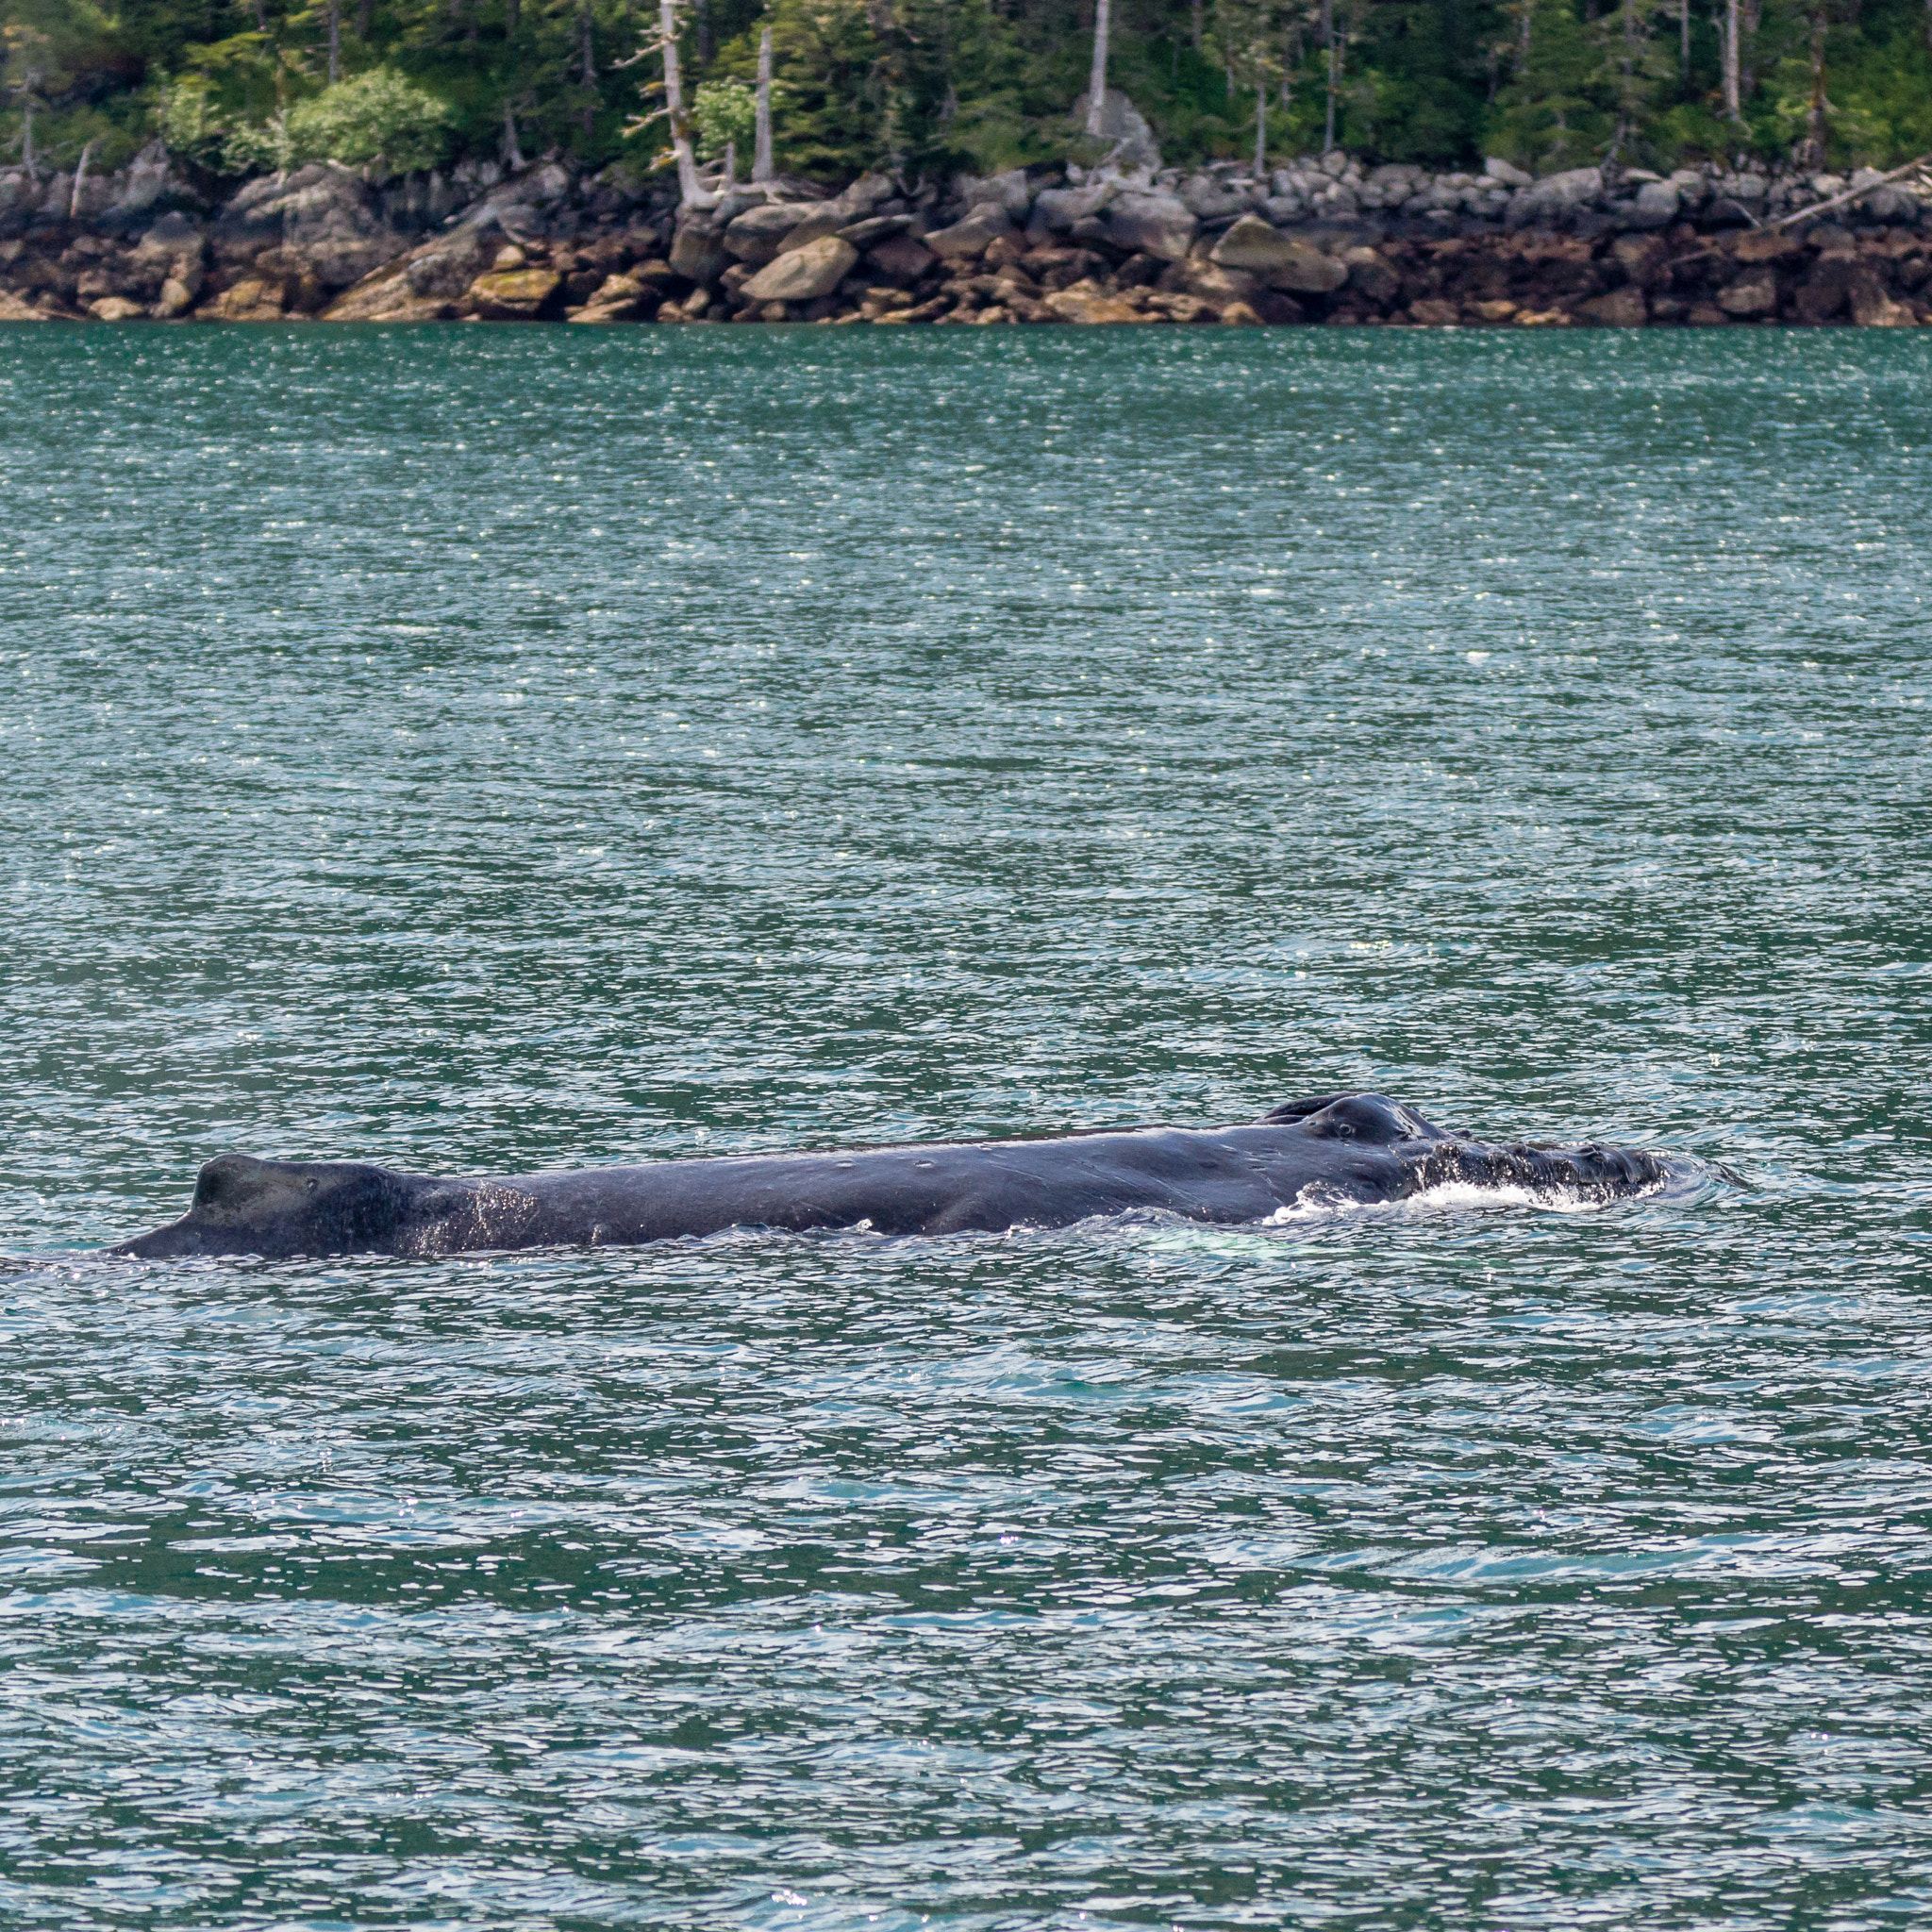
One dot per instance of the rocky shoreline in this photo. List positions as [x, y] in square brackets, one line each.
[1327, 240]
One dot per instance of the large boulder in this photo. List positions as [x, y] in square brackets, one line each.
[968, 240]
[517, 294]
[1157, 224]
[805, 273]
[1754, 296]
[1307, 271]
[1620, 309]
[1370, 275]
[1251, 243]
[755, 235]
[698, 255]
[1656, 206]
[1086, 302]
[13, 310]
[901, 259]
[1206, 197]
[1059, 209]
[1008, 190]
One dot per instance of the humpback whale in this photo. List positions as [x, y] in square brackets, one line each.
[1340, 1148]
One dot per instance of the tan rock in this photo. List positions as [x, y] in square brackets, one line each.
[1431, 312]
[1252, 243]
[13, 310]
[1086, 302]
[509, 258]
[1620, 309]
[1754, 296]
[1766, 244]
[514, 295]
[1493, 312]
[1707, 315]
[1872, 307]
[1239, 315]
[805, 273]
[250, 300]
[1542, 318]
[116, 309]
[176, 298]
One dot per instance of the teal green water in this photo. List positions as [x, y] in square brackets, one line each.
[480, 749]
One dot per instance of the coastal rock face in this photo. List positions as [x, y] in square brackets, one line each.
[1325, 241]
[805, 273]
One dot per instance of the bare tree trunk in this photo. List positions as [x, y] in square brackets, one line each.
[1682, 39]
[1198, 24]
[1734, 100]
[762, 153]
[1814, 139]
[1328, 44]
[1096, 87]
[513, 154]
[335, 41]
[687, 189]
[26, 133]
[590, 74]
[1261, 123]
[79, 182]
[512, 20]
[730, 166]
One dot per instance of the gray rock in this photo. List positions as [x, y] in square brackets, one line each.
[968, 240]
[1157, 224]
[697, 256]
[1656, 206]
[1508, 173]
[874, 228]
[1060, 208]
[1205, 197]
[755, 235]
[805, 273]
[1008, 190]
[1572, 188]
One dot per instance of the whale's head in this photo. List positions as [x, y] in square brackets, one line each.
[279, 1208]
[1373, 1119]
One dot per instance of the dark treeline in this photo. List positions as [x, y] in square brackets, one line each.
[237, 86]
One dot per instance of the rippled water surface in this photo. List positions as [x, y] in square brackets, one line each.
[478, 750]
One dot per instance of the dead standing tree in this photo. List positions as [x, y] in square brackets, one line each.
[690, 193]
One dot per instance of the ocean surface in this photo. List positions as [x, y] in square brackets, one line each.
[478, 749]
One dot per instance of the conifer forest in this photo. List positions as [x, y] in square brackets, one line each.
[234, 87]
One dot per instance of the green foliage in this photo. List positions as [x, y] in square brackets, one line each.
[939, 84]
[724, 113]
[377, 115]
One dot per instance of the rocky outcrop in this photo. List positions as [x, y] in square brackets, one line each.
[1324, 241]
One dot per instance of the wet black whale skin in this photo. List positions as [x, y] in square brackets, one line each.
[1348, 1147]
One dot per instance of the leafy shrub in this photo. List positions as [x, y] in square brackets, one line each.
[724, 112]
[377, 115]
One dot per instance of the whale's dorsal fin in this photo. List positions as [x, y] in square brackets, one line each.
[1372, 1119]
